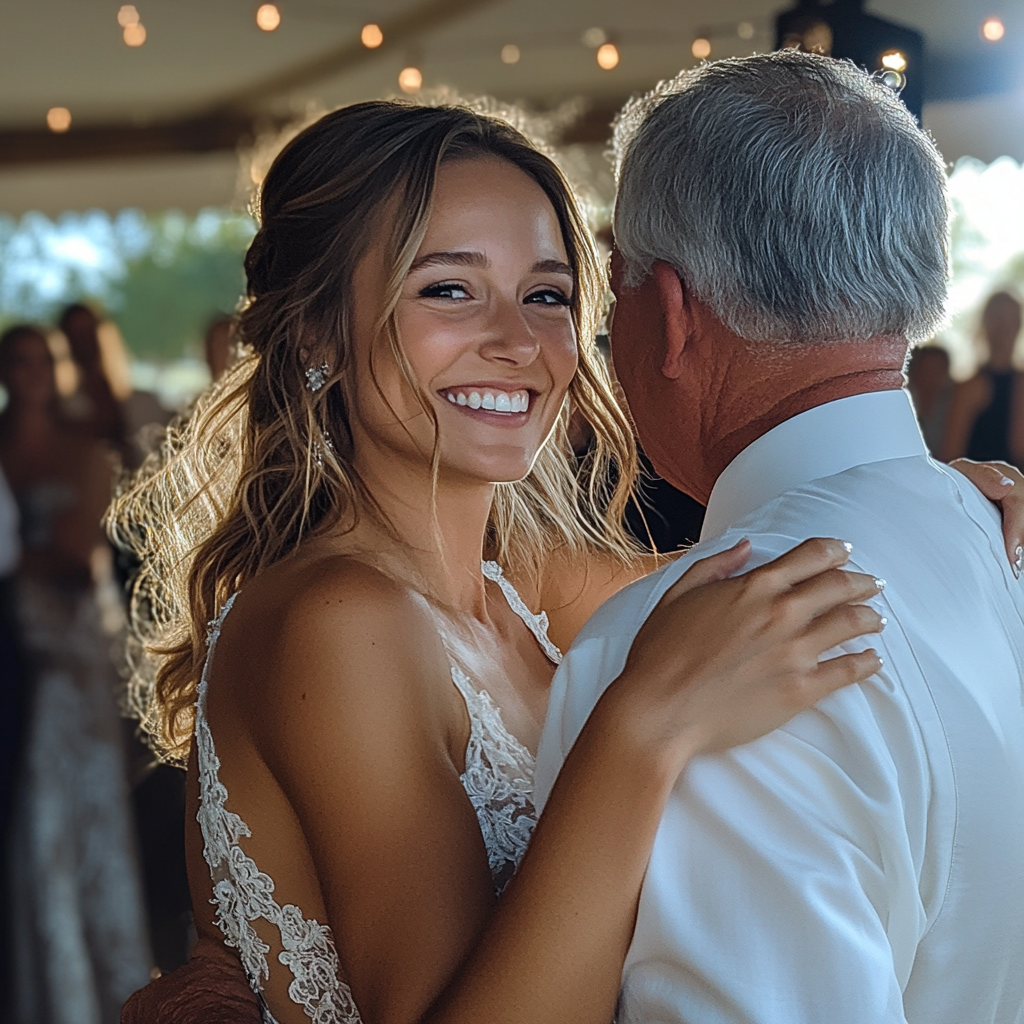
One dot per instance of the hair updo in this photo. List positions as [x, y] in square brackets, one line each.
[262, 463]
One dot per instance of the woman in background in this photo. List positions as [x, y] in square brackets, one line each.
[79, 937]
[986, 418]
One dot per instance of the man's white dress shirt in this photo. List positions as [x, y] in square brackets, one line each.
[865, 863]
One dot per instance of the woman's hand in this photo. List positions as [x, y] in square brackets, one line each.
[1004, 485]
[720, 662]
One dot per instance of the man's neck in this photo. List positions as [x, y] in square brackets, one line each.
[757, 392]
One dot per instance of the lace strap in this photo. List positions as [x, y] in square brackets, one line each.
[213, 628]
[536, 624]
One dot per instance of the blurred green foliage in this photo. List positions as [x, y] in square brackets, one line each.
[160, 277]
[170, 292]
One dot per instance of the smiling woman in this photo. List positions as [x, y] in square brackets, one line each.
[359, 493]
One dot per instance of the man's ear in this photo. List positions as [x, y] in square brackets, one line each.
[676, 315]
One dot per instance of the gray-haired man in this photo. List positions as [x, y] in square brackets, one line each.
[781, 230]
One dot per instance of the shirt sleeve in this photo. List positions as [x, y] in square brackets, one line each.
[783, 884]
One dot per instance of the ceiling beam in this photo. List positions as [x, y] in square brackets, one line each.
[231, 119]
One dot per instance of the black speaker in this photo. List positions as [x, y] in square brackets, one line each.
[841, 28]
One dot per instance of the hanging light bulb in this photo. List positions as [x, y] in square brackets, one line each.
[607, 56]
[268, 17]
[701, 48]
[410, 79]
[371, 36]
[510, 54]
[128, 15]
[893, 60]
[134, 35]
[58, 119]
[993, 30]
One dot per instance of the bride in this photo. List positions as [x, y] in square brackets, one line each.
[365, 694]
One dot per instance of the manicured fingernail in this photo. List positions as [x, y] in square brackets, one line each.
[880, 583]
[1018, 565]
[1007, 482]
[881, 661]
[848, 547]
[883, 623]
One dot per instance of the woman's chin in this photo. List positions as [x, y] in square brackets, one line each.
[489, 471]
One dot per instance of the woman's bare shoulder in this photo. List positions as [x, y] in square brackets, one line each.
[332, 633]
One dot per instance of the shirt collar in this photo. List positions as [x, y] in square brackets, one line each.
[821, 442]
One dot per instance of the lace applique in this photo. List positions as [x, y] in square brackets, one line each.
[243, 894]
[498, 781]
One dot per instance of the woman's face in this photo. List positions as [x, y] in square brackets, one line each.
[28, 371]
[485, 323]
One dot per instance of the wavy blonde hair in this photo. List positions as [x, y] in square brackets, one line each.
[262, 463]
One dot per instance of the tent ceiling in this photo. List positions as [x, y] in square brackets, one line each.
[206, 58]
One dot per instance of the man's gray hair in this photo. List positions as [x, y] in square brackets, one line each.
[794, 194]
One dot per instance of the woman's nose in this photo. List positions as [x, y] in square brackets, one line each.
[509, 337]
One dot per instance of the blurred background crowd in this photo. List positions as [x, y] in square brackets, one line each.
[131, 138]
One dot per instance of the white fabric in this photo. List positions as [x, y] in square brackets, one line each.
[498, 780]
[865, 863]
[10, 549]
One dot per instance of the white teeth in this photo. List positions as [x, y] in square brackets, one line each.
[493, 401]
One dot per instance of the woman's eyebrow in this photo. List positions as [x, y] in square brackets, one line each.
[552, 267]
[457, 258]
[469, 258]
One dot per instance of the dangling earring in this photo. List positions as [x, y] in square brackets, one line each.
[318, 449]
[316, 376]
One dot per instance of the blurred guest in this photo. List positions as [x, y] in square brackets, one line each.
[931, 388]
[986, 419]
[96, 404]
[220, 343]
[11, 705]
[142, 413]
[79, 933]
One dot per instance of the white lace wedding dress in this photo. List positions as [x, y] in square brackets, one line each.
[498, 781]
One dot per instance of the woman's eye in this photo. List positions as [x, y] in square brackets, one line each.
[549, 297]
[444, 290]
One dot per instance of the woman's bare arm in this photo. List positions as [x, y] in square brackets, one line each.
[363, 748]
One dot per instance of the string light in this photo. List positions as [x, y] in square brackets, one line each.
[894, 60]
[410, 79]
[510, 54]
[128, 15]
[594, 37]
[701, 48]
[134, 35]
[993, 30]
[58, 119]
[745, 30]
[607, 56]
[371, 37]
[268, 17]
